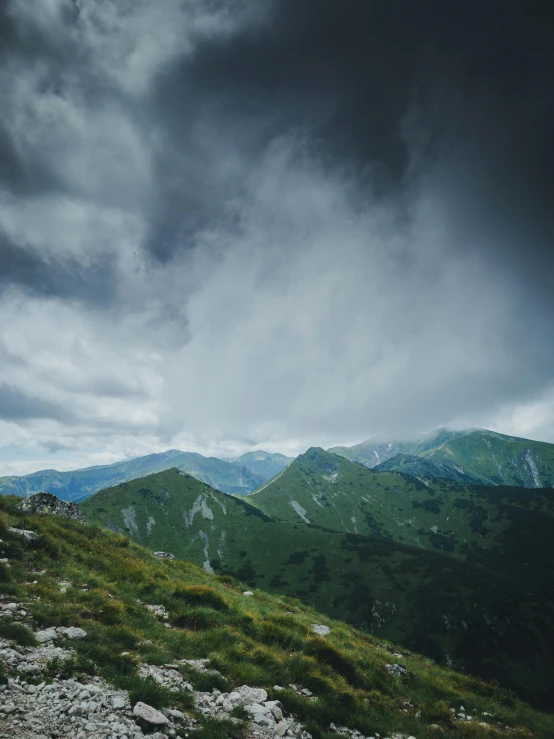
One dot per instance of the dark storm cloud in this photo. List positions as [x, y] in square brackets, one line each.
[275, 219]
[64, 278]
[459, 91]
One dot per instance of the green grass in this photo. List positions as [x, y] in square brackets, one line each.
[262, 640]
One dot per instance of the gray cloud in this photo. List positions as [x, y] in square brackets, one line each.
[17, 406]
[293, 224]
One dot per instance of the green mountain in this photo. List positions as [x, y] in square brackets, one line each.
[263, 464]
[460, 614]
[140, 616]
[484, 457]
[506, 529]
[231, 477]
[425, 469]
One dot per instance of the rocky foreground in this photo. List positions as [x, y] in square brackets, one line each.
[34, 706]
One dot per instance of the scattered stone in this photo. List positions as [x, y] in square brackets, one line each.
[48, 504]
[248, 593]
[320, 629]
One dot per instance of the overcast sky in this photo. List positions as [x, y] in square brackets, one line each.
[229, 224]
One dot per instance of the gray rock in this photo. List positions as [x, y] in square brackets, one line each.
[48, 504]
[164, 555]
[252, 695]
[320, 629]
[46, 635]
[72, 632]
[149, 715]
[28, 535]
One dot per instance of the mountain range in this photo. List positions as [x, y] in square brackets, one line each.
[460, 573]
[476, 456]
[239, 476]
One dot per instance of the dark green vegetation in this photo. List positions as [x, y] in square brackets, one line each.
[461, 614]
[507, 529]
[236, 477]
[262, 640]
[479, 456]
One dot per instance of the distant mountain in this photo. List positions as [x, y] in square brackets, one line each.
[424, 468]
[484, 621]
[231, 477]
[478, 455]
[263, 464]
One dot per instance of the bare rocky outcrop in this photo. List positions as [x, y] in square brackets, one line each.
[47, 504]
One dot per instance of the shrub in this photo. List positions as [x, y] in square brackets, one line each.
[196, 619]
[147, 690]
[327, 654]
[201, 595]
[206, 680]
[214, 728]
[17, 633]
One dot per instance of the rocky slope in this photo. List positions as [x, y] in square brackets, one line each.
[461, 614]
[100, 638]
[478, 456]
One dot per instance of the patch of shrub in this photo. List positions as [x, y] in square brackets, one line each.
[195, 619]
[206, 680]
[214, 728]
[327, 654]
[201, 595]
[17, 633]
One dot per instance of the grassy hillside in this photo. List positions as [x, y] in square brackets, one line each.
[479, 455]
[261, 640]
[262, 463]
[507, 529]
[462, 615]
[77, 485]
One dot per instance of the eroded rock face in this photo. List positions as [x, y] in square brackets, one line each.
[48, 504]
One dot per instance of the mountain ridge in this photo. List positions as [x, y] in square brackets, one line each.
[483, 456]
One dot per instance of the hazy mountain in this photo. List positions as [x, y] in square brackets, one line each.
[458, 613]
[263, 464]
[478, 455]
[231, 477]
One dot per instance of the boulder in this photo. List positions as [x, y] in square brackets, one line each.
[28, 535]
[47, 504]
[320, 629]
[251, 695]
[46, 635]
[148, 716]
[71, 632]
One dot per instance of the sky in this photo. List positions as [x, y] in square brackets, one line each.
[238, 224]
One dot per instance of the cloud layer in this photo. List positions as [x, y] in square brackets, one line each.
[226, 225]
